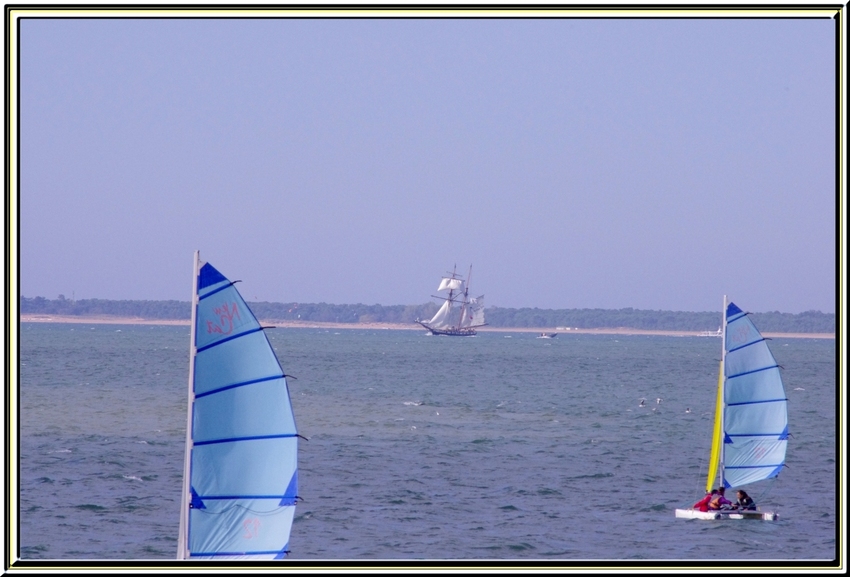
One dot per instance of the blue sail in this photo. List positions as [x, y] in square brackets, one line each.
[242, 479]
[755, 418]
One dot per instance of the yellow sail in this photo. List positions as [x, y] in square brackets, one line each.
[716, 439]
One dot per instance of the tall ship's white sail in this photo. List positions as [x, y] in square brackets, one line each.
[459, 315]
[751, 421]
[241, 469]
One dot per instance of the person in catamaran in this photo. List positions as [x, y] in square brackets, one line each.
[702, 504]
[744, 502]
[719, 500]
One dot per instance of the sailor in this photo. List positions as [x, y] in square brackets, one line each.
[745, 502]
[719, 500]
[702, 504]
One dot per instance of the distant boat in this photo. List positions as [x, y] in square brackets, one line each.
[751, 421]
[240, 475]
[547, 335]
[470, 313]
[717, 333]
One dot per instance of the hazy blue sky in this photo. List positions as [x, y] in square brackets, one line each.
[575, 163]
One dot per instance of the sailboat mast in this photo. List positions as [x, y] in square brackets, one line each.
[723, 394]
[182, 538]
[463, 306]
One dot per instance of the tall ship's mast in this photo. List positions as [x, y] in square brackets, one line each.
[471, 310]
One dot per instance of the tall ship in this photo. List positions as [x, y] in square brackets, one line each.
[459, 315]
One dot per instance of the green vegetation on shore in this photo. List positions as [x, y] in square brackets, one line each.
[776, 322]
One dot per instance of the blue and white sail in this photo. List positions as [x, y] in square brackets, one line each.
[751, 417]
[755, 408]
[241, 471]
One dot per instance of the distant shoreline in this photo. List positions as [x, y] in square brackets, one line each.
[114, 320]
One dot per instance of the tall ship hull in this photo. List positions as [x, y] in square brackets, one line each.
[459, 315]
[450, 332]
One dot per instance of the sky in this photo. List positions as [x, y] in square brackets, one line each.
[572, 162]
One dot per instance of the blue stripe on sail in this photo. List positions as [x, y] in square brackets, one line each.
[756, 402]
[236, 439]
[755, 466]
[761, 340]
[211, 345]
[289, 498]
[242, 384]
[753, 371]
[219, 289]
[778, 435]
[234, 497]
[239, 553]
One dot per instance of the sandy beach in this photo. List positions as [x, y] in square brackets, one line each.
[106, 319]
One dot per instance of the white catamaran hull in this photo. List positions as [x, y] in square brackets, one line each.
[730, 514]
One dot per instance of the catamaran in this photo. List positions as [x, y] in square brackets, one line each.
[751, 419]
[240, 475]
[446, 321]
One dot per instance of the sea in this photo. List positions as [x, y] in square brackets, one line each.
[499, 447]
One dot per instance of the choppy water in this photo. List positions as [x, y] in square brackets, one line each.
[502, 446]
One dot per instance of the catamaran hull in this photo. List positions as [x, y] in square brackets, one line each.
[710, 515]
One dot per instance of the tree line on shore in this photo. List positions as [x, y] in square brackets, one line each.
[805, 322]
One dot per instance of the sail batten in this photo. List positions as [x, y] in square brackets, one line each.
[782, 400]
[219, 289]
[751, 372]
[236, 385]
[238, 439]
[745, 346]
[241, 471]
[230, 338]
